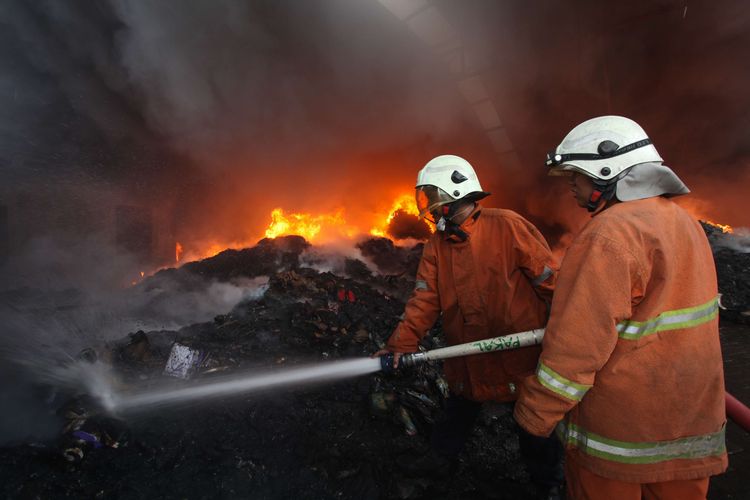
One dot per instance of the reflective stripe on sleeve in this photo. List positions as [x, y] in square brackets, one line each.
[669, 320]
[421, 285]
[542, 277]
[692, 447]
[559, 384]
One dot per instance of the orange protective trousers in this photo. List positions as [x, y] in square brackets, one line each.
[585, 485]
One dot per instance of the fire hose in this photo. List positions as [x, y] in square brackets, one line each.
[736, 410]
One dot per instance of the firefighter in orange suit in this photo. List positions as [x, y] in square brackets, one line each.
[631, 375]
[489, 272]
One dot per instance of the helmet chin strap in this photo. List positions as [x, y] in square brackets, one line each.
[603, 192]
[446, 224]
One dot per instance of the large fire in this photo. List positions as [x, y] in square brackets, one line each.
[333, 226]
[318, 228]
[309, 226]
[325, 227]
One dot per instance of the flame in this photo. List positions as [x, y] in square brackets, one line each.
[141, 275]
[725, 228]
[326, 227]
[311, 227]
[322, 227]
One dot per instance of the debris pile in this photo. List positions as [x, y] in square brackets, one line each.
[732, 259]
[366, 437]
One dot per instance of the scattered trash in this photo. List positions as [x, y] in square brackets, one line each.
[183, 361]
[361, 336]
[325, 441]
[732, 258]
[88, 438]
[442, 386]
[405, 417]
[215, 370]
[73, 454]
[382, 403]
[344, 295]
[137, 348]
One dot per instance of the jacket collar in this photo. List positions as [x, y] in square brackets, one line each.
[467, 226]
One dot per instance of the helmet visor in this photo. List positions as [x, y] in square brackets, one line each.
[429, 198]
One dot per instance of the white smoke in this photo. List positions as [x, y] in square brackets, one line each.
[738, 241]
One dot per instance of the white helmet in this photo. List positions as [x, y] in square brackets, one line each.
[445, 179]
[618, 155]
[602, 148]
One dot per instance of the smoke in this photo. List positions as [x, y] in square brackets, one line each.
[262, 91]
[404, 226]
[172, 309]
[43, 329]
[210, 114]
[331, 257]
[738, 241]
[278, 79]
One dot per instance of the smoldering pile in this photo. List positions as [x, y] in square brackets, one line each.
[732, 258]
[366, 437]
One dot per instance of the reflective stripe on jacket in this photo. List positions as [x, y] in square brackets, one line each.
[499, 281]
[631, 353]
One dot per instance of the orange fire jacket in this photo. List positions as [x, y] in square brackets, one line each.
[499, 281]
[631, 370]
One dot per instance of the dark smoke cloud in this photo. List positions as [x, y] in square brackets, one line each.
[212, 113]
[676, 67]
[234, 81]
[404, 225]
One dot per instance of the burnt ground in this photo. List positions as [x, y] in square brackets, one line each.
[366, 437]
[735, 342]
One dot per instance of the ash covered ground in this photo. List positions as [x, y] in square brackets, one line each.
[361, 437]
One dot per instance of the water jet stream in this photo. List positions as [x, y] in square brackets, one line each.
[240, 384]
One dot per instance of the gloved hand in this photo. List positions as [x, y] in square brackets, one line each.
[383, 352]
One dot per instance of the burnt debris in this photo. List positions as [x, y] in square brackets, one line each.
[366, 437]
[732, 259]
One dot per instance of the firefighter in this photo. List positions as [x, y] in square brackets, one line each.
[630, 375]
[488, 272]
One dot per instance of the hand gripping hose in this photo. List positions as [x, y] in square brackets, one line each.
[737, 411]
[504, 343]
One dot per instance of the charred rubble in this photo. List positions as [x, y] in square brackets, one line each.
[732, 259]
[366, 437]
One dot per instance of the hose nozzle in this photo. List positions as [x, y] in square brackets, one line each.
[405, 361]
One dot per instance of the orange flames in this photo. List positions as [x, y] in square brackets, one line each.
[321, 228]
[141, 275]
[311, 227]
[317, 228]
[725, 228]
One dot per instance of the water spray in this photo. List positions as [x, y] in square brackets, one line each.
[241, 383]
[326, 372]
[495, 344]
